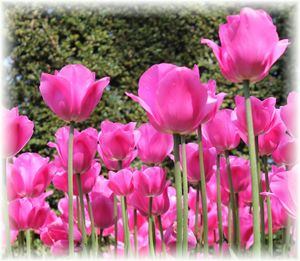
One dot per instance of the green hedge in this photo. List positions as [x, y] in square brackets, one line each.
[121, 45]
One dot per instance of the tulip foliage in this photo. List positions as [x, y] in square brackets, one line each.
[217, 203]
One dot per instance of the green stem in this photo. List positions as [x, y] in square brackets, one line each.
[70, 190]
[232, 201]
[116, 223]
[125, 225]
[100, 239]
[230, 243]
[255, 195]
[21, 242]
[203, 192]
[238, 225]
[135, 232]
[28, 242]
[94, 233]
[287, 235]
[78, 213]
[161, 235]
[219, 206]
[270, 221]
[150, 230]
[261, 198]
[178, 187]
[197, 212]
[83, 226]
[6, 213]
[185, 197]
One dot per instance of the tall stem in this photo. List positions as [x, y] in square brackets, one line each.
[219, 206]
[28, 242]
[238, 225]
[254, 181]
[116, 224]
[70, 190]
[287, 235]
[270, 221]
[261, 198]
[5, 212]
[197, 212]
[230, 242]
[178, 187]
[232, 200]
[78, 213]
[83, 227]
[203, 192]
[135, 232]
[94, 233]
[125, 225]
[150, 230]
[161, 235]
[185, 197]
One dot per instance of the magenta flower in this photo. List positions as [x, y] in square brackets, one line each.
[193, 165]
[228, 138]
[72, 93]
[88, 179]
[240, 172]
[249, 46]
[288, 113]
[84, 148]
[285, 153]
[149, 181]
[173, 97]
[18, 131]
[262, 113]
[28, 176]
[153, 146]
[117, 141]
[121, 183]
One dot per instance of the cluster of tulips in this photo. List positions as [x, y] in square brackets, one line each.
[218, 203]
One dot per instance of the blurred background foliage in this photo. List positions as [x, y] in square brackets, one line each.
[122, 42]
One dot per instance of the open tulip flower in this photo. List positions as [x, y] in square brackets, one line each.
[73, 92]
[249, 46]
[121, 183]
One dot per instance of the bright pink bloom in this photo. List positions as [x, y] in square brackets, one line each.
[283, 186]
[211, 190]
[173, 97]
[72, 93]
[262, 113]
[121, 183]
[88, 179]
[160, 204]
[18, 131]
[28, 176]
[103, 210]
[84, 148]
[193, 165]
[117, 141]
[153, 146]
[101, 186]
[150, 181]
[249, 46]
[288, 113]
[269, 141]
[240, 172]
[285, 153]
[221, 132]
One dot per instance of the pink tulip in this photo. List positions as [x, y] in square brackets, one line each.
[153, 146]
[240, 172]
[283, 186]
[211, 190]
[18, 131]
[72, 93]
[88, 179]
[269, 141]
[150, 181]
[228, 138]
[249, 46]
[262, 113]
[28, 176]
[28, 213]
[193, 165]
[173, 97]
[160, 204]
[285, 153]
[288, 113]
[84, 148]
[101, 186]
[103, 211]
[121, 182]
[117, 141]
